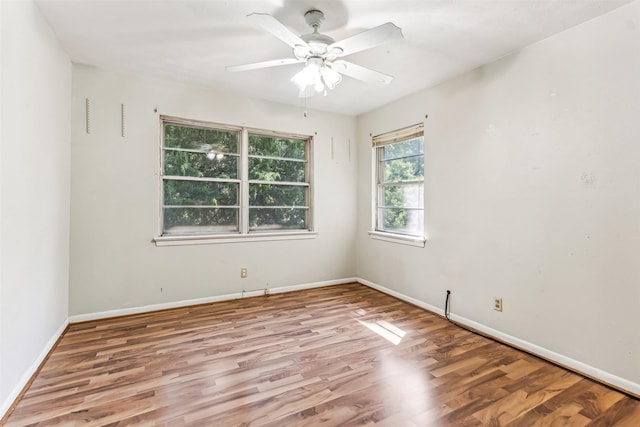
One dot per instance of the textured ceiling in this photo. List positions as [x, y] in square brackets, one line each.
[193, 41]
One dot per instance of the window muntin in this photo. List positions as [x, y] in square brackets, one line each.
[400, 182]
[230, 180]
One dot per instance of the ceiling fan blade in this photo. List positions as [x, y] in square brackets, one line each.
[276, 28]
[368, 39]
[265, 64]
[367, 75]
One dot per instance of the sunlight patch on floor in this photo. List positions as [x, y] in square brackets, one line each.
[386, 330]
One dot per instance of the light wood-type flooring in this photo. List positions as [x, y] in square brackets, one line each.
[334, 356]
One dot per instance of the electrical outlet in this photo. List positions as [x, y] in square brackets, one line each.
[243, 273]
[497, 304]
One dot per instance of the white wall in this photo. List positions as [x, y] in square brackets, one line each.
[115, 198]
[34, 194]
[532, 193]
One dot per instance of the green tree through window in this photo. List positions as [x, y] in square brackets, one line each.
[204, 186]
[278, 190]
[400, 183]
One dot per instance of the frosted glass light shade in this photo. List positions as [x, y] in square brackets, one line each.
[316, 76]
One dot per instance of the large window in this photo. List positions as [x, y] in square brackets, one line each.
[399, 207]
[221, 180]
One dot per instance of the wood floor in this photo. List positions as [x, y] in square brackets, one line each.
[334, 356]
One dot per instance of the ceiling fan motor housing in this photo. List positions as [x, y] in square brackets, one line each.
[317, 41]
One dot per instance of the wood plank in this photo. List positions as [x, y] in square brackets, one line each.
[340, 355]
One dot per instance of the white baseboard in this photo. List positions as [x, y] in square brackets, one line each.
[185, 303]
[26, 377]
[403, 297]
[575, 365]
[313, 285]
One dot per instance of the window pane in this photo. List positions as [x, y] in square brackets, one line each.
[276, 195]
[196, 138]
[400, 194]
[276, 170]
[403, 196]
[275, 219]
[411, 147]
[183, 163]
[200, 220]
[403, 221]
[408, 168]
[199, 193]
[277, 147]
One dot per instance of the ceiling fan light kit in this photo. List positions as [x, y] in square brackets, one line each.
[316, 76]
[319, 52]
[212, 155]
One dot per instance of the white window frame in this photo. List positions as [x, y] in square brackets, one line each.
[377, 232]
[244, 234]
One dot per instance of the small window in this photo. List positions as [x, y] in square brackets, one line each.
[400, 182]
[225, 180]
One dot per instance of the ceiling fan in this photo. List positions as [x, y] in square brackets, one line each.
[320, 53]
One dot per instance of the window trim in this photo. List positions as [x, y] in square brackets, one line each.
[404, 239]
[257, 236]
[377, 142]
[243, 234]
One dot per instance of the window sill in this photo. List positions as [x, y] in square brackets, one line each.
[232, 238]
[398, 238]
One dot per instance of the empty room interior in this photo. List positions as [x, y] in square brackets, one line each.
[320, 213]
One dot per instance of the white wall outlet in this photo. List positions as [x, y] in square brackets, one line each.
[243, 273]
[497, 304]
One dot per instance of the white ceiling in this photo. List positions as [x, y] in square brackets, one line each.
[194, 40]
